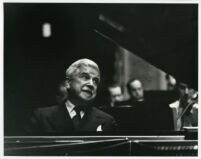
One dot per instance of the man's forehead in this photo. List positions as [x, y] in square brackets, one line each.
[136, 83]
[89, 70]
[115, 89]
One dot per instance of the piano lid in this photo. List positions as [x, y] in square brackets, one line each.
[166, 35]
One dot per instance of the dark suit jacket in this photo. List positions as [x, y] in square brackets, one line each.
[56, 120]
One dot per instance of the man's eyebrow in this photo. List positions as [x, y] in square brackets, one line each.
[84, 73]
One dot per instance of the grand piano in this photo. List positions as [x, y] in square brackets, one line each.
[165, 35]
[173, 144]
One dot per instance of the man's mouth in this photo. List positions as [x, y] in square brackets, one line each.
[88, 92]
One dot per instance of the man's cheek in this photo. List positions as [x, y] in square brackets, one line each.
[95, 93]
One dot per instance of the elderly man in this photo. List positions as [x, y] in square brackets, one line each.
[76, 114]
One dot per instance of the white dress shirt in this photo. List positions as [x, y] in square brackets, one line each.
[70, 107]
[188, 120]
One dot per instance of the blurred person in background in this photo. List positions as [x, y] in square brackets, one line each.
[185, 109]
[61, 93]
[136, 94]
[171, 82]
[135, 90]
[115, 94]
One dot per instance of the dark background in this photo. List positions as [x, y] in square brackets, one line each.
[164, 34]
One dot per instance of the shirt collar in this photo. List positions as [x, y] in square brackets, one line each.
[70, 107]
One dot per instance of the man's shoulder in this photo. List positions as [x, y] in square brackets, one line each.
[101, 114]
[47, 110]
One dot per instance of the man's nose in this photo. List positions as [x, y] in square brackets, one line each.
[90, 83]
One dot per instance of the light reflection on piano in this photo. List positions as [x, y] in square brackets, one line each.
[158, 145]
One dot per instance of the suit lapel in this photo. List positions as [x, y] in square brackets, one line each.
[90, 121]
[61, 120]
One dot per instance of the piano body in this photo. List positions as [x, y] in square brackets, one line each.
[173, 144]
[166, 35]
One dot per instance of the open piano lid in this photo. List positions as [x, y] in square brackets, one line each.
[166, 35]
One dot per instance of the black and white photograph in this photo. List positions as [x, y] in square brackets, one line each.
[100, 79]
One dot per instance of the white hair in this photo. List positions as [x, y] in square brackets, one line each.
[79, 63]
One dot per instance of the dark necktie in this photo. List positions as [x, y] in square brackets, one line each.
[77, 119]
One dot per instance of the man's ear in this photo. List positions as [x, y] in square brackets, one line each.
[67, 83]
